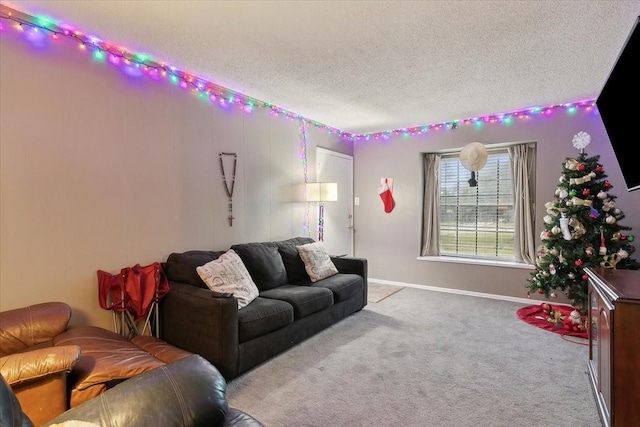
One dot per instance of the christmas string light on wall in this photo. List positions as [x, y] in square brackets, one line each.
[38, 30]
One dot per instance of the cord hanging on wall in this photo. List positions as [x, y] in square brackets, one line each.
[229, 188]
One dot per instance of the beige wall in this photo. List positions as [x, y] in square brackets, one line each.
[101, 171]
[391, 242]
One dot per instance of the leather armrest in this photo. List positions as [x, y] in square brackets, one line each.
[30, 326]
[20, 367]
[189, 392]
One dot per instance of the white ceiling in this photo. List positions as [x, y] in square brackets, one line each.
[370, 66]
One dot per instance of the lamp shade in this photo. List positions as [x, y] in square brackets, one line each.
[322, 191]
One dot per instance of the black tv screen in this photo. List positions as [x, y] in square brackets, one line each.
[619, 111]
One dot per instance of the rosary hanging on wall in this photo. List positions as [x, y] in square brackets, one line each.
[229, 188]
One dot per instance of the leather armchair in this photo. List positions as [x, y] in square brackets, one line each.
[184, 393]
[36, 370]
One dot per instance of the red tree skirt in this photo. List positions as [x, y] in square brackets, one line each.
[533, 315]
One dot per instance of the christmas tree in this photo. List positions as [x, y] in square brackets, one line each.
[582, 229]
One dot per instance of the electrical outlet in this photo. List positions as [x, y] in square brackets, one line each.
[356, 201]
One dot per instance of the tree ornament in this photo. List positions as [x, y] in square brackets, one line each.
[563, 194]
[552, 269]
[564, 226]
[581, 140]
[571, 164]
[578, 263]
[630, 238]
[589, 251]
[580, 167]
[603, 247]
[607, 184]
[586, 192]
[572, 193]
[610, 219]
[553, 295]
[601, 195]
[599, 168]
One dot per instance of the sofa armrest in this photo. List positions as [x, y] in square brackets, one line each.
[354, 265]
[189, 392]
[36, 324]
[203, 322]
[21, 367]
[351, 265]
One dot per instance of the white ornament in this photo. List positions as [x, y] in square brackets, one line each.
[610, 219]
[556, 230]
[581, 140]
[547, 219]
[563, 194]
[575, 317]
[602, 195]
[564, 226]
[623, 253]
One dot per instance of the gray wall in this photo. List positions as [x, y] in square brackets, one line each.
[101, 171]
[391, 242]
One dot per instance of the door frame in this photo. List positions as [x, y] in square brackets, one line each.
[320, 152]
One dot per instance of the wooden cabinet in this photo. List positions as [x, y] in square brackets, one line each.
[614, 344]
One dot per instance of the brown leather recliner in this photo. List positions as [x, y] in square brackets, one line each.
[35, 369]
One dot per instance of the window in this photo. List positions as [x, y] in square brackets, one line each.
[478, 220]
[494, 219]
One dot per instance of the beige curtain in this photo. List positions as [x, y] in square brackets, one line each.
[523, 159]
[431, 207]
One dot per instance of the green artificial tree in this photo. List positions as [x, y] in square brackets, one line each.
[581, 229]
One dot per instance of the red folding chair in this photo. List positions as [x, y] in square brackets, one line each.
[134, 293]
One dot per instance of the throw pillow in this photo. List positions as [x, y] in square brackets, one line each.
[316, 260]
[291, 259]
[227, 274]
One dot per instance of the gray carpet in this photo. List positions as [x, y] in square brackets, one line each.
[424, 358]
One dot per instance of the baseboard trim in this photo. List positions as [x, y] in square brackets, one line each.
[455, 291]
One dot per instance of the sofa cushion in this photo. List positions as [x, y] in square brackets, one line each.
[343, 285]
[262, 316]
[181, 267]
[106, 358]
[317, 262]
[294, 265]
[304, 299]
[264, 263]
[227, 274]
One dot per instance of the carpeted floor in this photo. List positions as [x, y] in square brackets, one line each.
[377, 292]
[422, 358]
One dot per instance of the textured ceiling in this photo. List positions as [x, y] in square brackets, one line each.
[370, 66]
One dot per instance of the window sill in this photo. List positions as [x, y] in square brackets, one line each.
[476, 261]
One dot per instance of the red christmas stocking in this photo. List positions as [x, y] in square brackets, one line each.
[387, 197]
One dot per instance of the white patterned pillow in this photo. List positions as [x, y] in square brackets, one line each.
[227, 274]
[317, 262]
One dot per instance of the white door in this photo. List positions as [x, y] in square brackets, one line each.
[338, 216]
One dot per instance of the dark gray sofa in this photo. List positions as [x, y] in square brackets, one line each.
[289, 308]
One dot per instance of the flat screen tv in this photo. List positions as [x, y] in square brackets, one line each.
[619, 110]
